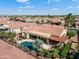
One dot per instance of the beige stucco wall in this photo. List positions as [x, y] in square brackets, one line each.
[64, 32]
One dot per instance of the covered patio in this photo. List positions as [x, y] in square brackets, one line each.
[42, 37]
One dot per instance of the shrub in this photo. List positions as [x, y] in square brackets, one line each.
[24, 37]
[3, 34]
[54, 52]
[43, 52]
[71, 33]
[49, 54]
[65, 50]
[58, 23]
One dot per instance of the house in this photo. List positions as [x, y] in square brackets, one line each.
[15, 26]
[56, 21]
[46, 32]
[74, 42]
[4, 18]
[30, 20]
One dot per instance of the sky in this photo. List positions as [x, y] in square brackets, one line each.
[39, 7]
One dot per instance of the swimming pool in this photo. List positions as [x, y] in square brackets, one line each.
[28, 45]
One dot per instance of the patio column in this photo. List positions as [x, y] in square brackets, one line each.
[28, 36]
[37, 37]
[8, 30]
[47, 41]
[11, 30]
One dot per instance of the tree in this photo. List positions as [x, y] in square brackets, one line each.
[69, 20]
[71, 33]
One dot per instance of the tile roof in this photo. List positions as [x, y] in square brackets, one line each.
[52, 29]
[59, 39]
[15, 25]
[47, 31]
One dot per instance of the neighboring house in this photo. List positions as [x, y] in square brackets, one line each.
[3, 27]
[74, 42]
[4, 18]
[16, 26]
[35, 20]
[56, 21]
[32, 19]
[29, 20]
[48, 32]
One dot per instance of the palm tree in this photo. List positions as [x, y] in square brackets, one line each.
[37, 44]
[69, 20]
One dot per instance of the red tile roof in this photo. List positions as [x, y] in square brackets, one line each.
[74, 42]
[52, 29]
[48, 31]
[14, 25]
[59, 39]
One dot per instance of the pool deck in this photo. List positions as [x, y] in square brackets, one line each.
[8, 51]
[25, 40]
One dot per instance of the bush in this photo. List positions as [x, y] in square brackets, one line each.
[55, 52]
[11, 36]
[49, 54]
[58, 23]
[3, 34]
[72, 55]
[71, 33]
[24, 37]
[65, 50]
[43, 52]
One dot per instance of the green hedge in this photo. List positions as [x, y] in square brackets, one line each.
[65, 50]
[3, 34]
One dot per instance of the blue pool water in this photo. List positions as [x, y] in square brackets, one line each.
[28, 45]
